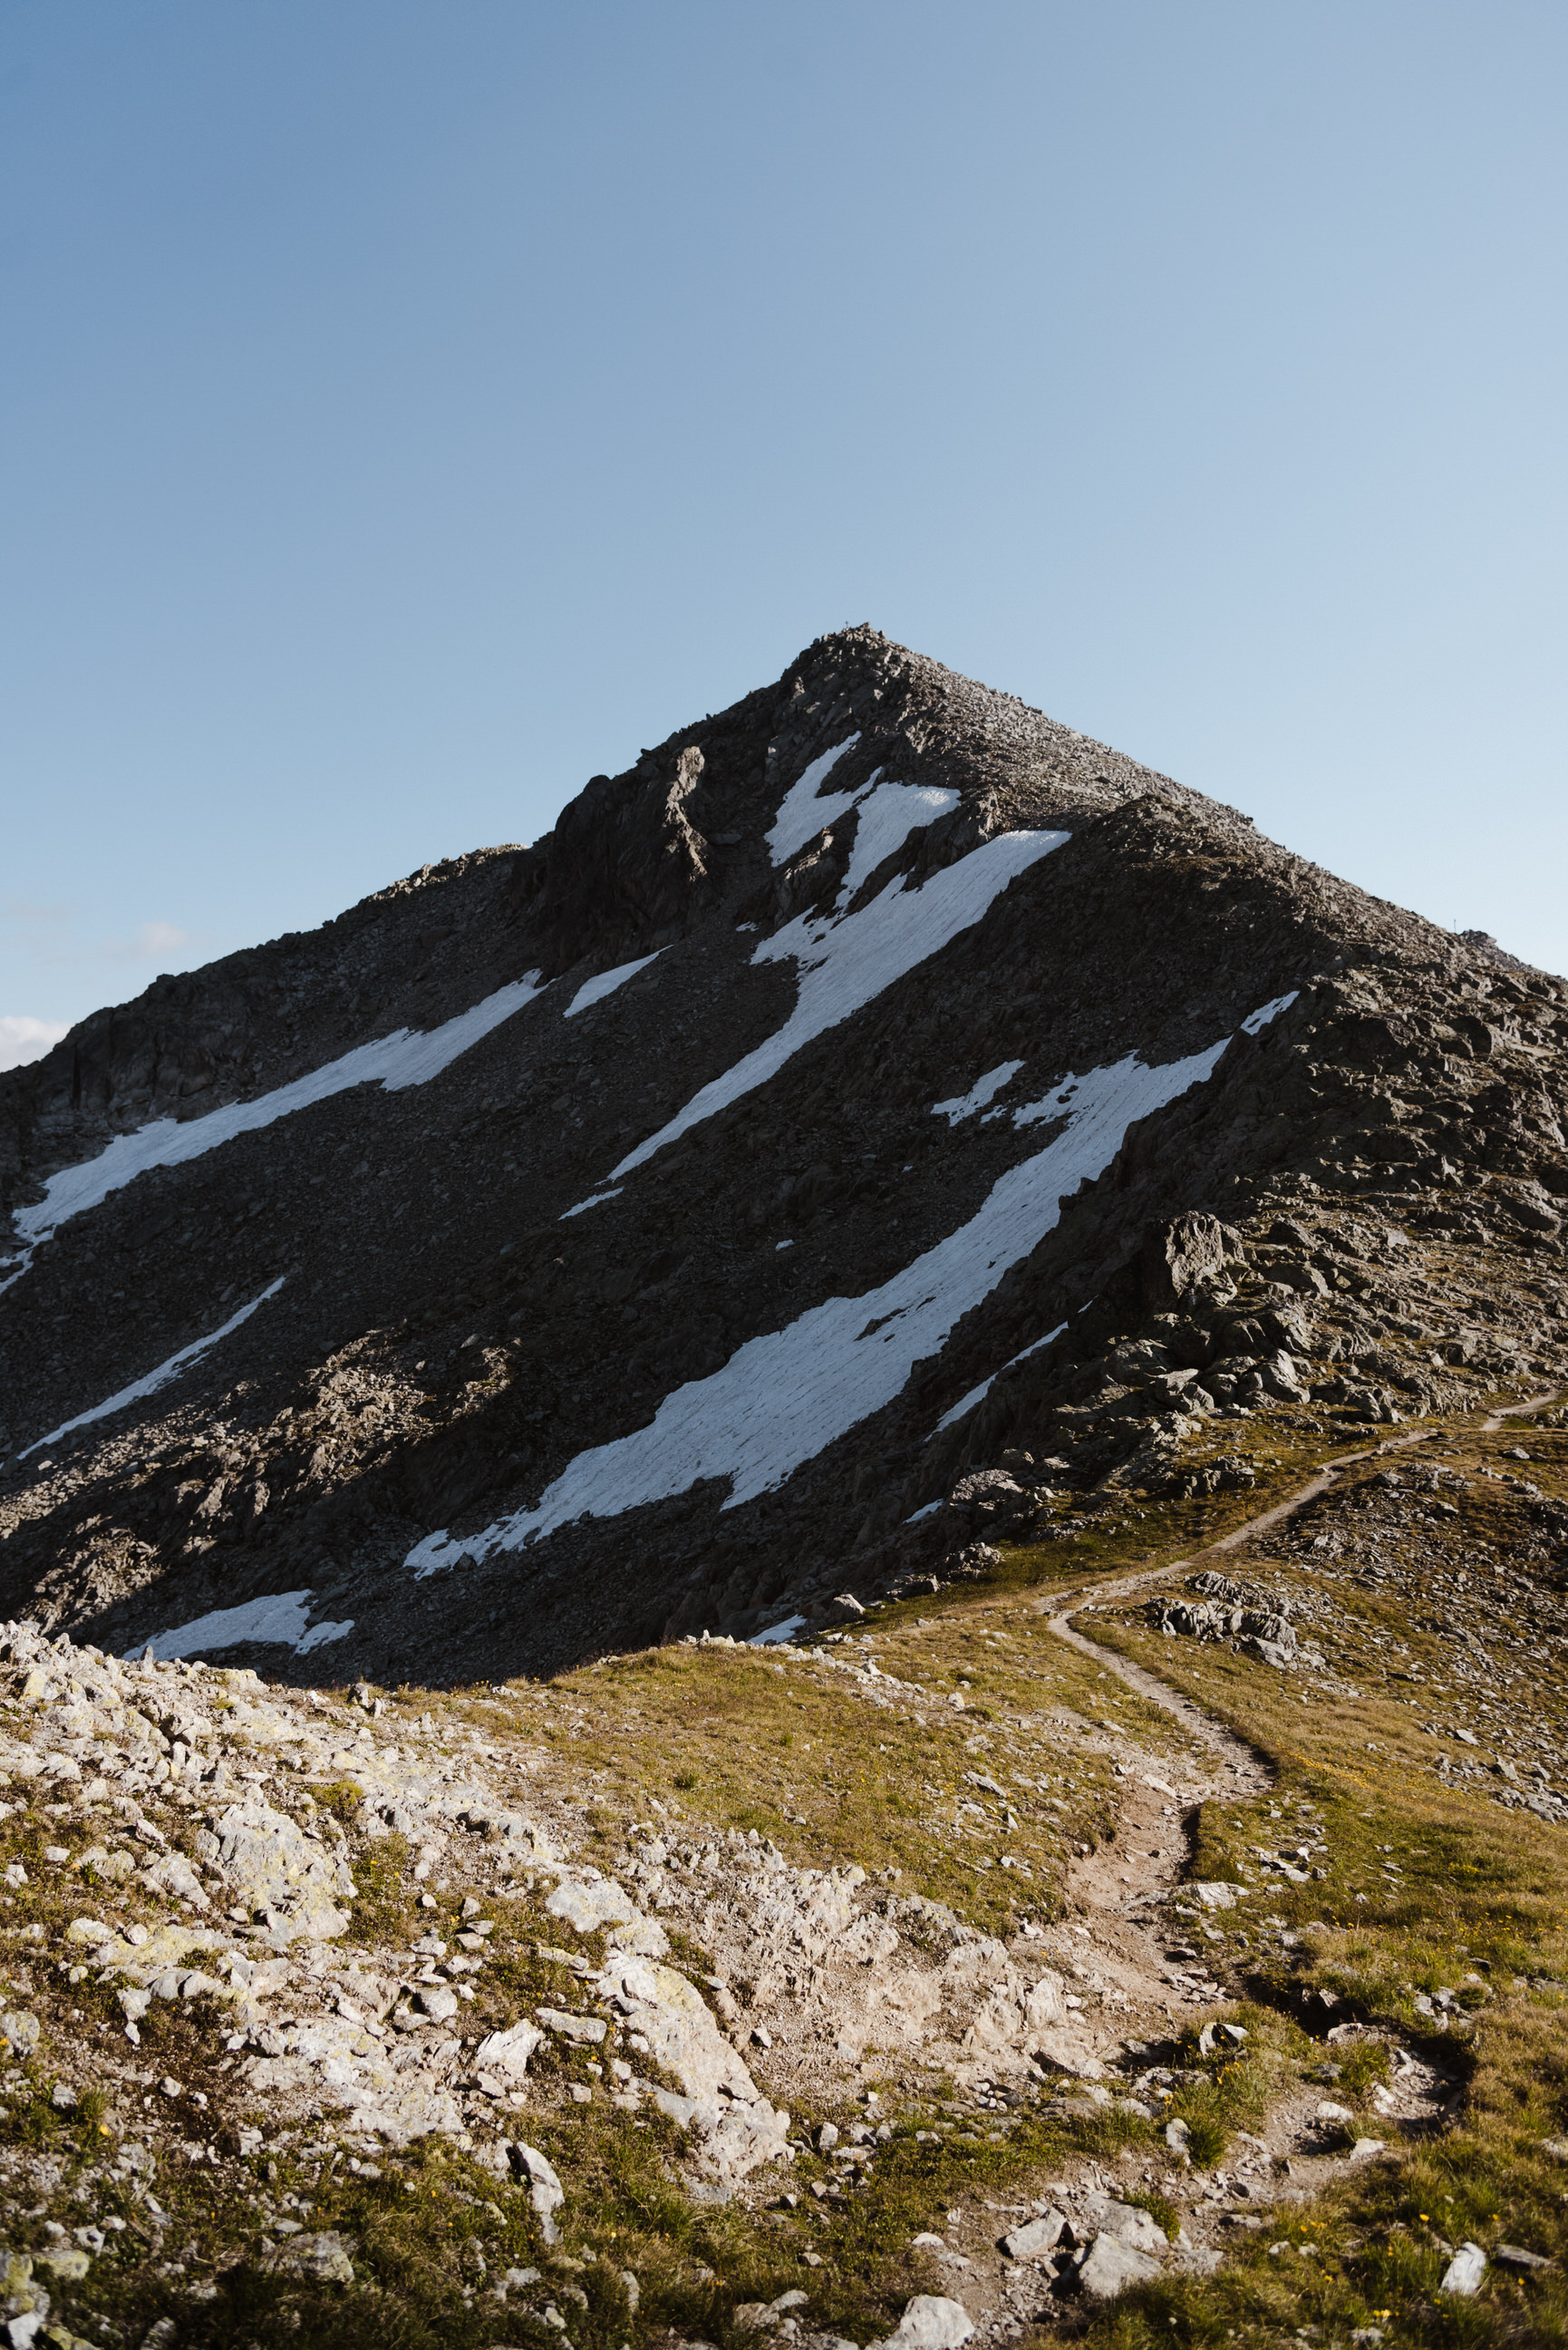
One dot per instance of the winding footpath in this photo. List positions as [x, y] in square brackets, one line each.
[1120, 1887]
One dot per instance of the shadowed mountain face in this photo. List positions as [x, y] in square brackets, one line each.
[879, 1115]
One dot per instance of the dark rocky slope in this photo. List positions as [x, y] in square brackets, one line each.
[442, 1345]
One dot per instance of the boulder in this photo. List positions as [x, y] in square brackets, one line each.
[324, 2256]
[546, 2191]
[1465, 2270]
[1035, 2237]
[507, 2052]
[931, 2321]
[1044, 2005]
[740, 2130]
[589, 1906]
[1278, 1372]
[1059, 2052]
[1190, 1251]
[270, 1868]
[568, 2027]
[1131, 2224]
[1109, 2266]
[680, 2030]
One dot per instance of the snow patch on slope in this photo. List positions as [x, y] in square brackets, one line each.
[979, 1394]
[782, 1398]
[409, 1056]
[1262, 1017]
[281, 1618]
[154, 1379]
[596, 1200]
[594, 990]
[887, 815]
[845, 963]
[802, 814]
[777, 1634]
[979, 1094]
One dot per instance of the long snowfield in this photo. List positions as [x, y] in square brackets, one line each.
[783, 1397]
[281, 1619]
[149, 1385]
[409, 1056]
[846, 961]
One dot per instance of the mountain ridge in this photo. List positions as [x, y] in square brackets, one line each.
[527, 1168]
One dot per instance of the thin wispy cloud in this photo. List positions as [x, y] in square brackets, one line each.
[148, 943]
[23, 1039]
[45, 954]
[21, 914]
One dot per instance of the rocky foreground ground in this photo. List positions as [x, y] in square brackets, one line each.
[484, 2017]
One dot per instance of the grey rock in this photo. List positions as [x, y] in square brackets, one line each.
[1179, 1256]
[931, 2321]
[1035, 2237]
[507, 2052]
[1131, 2224]
[1465, 2270]
[546, 2191]
[1110, 2266]
[1059, 2051]
[324, 2256]
[589, 1906]
[269, 1867]
[567, 2027]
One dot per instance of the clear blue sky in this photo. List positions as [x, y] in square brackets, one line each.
[407, 411]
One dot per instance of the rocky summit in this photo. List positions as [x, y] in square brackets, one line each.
[794, 1568]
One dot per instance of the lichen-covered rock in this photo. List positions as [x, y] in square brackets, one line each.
[23, 2303]
[678, 2027]
[1110, 2266]
[507, 2052]
[589, 1904]
[270, 1868]
[324, 2256]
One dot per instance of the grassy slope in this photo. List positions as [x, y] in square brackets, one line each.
[1426, 1886]
[709, 1739]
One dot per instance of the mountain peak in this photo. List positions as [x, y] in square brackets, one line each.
[649, 1228]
